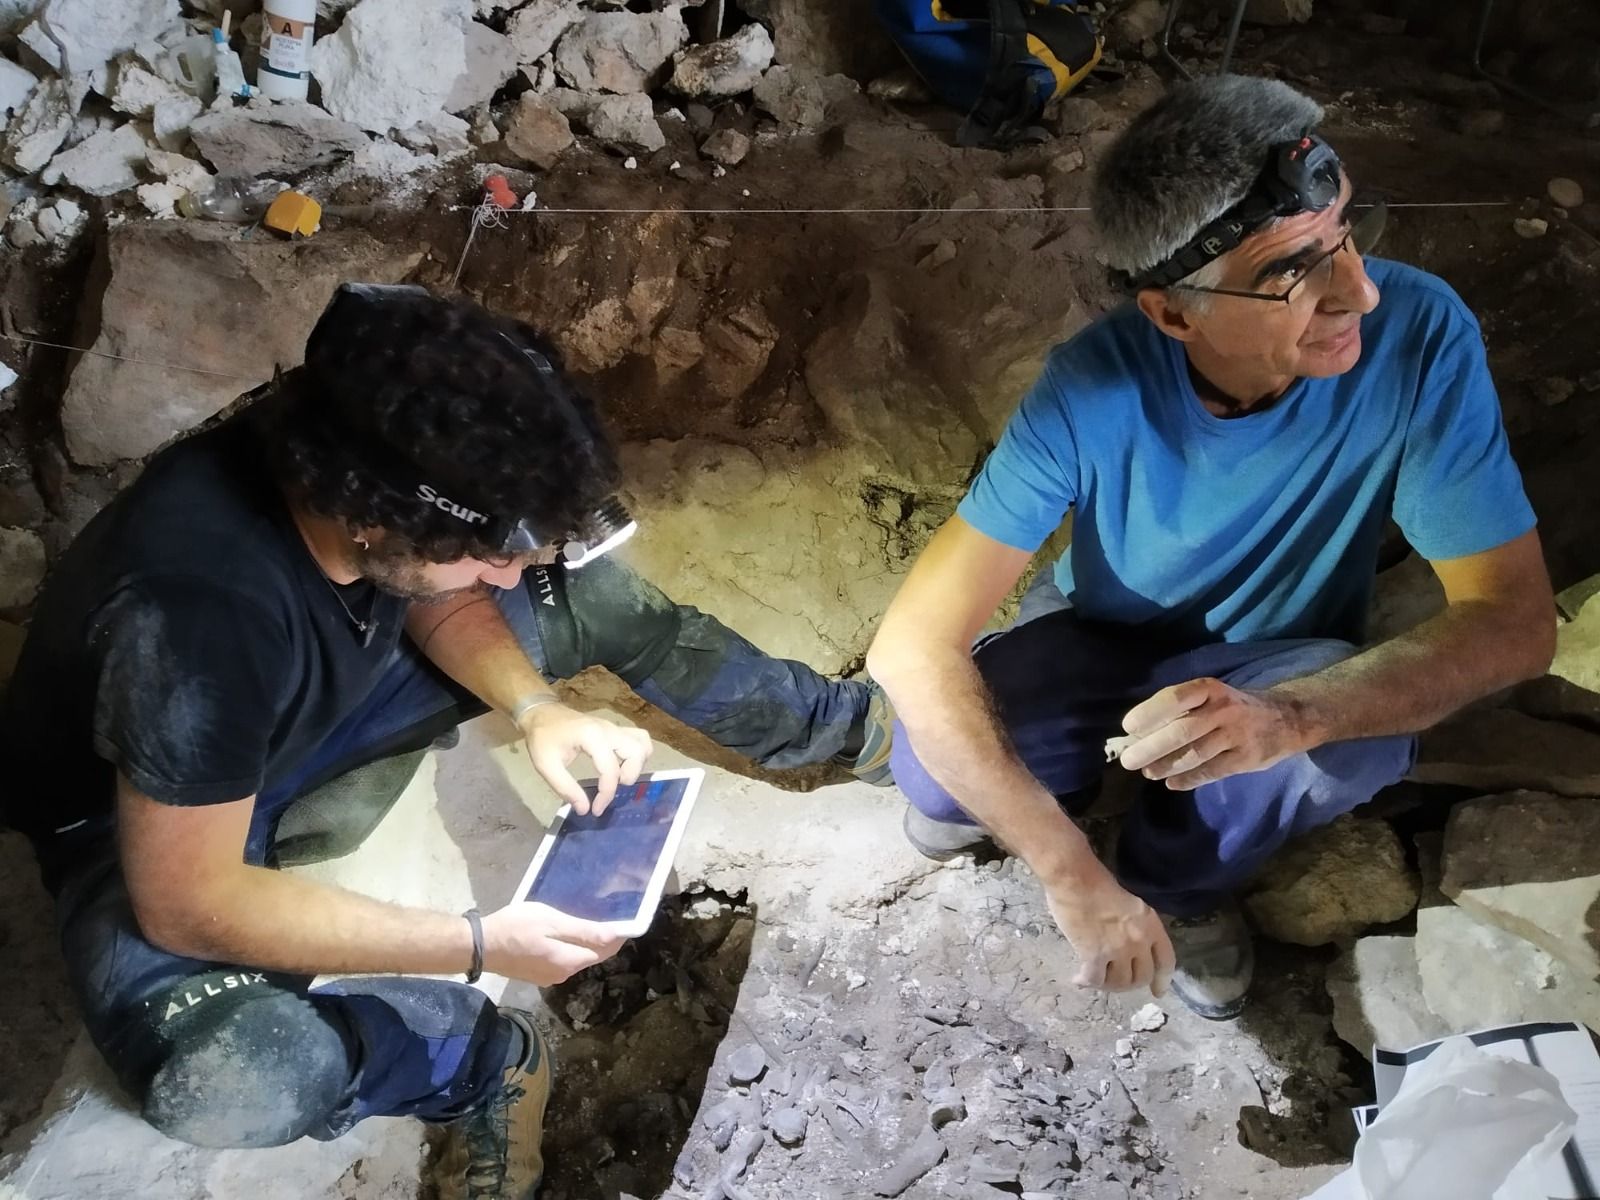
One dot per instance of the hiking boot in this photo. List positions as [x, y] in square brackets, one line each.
[871, 763]
[941, 840]
[1216, 959]
[493, 1153]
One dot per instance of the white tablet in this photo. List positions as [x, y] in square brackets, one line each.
[611, 868]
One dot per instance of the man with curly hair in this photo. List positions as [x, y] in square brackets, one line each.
[285, 603]
[1231, 444]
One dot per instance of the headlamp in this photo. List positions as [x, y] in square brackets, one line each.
[1300, 176]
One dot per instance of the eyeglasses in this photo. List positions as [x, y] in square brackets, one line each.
[1363, 236]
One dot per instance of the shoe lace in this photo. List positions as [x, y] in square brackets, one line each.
[488, 1134]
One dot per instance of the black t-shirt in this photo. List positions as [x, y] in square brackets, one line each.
[187, 639]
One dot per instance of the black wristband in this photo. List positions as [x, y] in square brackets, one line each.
[475, 972]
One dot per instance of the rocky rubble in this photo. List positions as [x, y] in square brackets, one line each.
[85, 98]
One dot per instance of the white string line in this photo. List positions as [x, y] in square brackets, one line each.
[487, 213]
[869, 212]
[143, 362]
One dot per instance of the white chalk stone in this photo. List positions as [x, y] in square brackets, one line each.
[14, 14]
[37, 132]
[137, 89]
[7, 377]
[628, 123]
[171, 119]
[491, 60]
[16, 85]
[60, 222]
[160, 199]
[393, 62]
[535, 28]
[84, 35]
[621, 52]
[724, 68]
[103, 164]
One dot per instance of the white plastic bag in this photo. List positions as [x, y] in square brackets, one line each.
[1465, 1125]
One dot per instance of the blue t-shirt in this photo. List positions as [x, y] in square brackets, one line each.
[1265, 525]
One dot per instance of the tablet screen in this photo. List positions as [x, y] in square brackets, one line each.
[599, 868]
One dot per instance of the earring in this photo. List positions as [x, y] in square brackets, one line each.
[362, 542]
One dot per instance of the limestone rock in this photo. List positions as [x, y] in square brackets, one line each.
[1278, 12]
[620, 52]
[1498, 749]
[727, 146]
[738, 346]
[393, 62]
[725, 68]
[447, 136]
[16, 85]
[1140, 20]
[535, 28]
[1333, 884]
[802, 98]
[627, 123]
[1377, 996]
[178, 169]
[80, 36]
[21, 567]
[38, 131]
[170, 120]
[61, 221]
[284, 138]
[1474, 975]
[1527, 863]
[194, 293]
[827, 36]
[14, 14]
[491, 60]
[101, 165]
[876, 396]
[538, 132]
[1568, 193]
[1578, 647]
[138, 89]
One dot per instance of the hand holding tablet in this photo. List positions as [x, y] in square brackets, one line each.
[609, 868]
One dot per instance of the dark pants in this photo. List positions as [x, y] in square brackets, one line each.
[1062, 686]
[220, 1054]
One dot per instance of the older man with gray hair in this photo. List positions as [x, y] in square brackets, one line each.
[1230, 443]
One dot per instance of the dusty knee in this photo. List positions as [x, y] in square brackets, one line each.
[263, 1072]
[604, 614]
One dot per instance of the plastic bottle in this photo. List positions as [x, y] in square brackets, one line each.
[233, 199]
[230, 71]
[284, 70]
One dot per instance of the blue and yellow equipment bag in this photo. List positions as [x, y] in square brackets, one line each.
[998, 61]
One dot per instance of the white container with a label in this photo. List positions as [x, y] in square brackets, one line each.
[284, 72]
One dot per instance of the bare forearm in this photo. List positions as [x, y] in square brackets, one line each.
[468, 639]
[1417, 679]
[941, 700]
[283, 922]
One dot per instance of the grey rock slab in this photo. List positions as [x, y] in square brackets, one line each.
[1376, 988]
[281, 139]
[727, 146]
[491, 59]
[393, 63]
[802, 98]
[723, 68]
[1333, 884]
[627, 123]
[622, 52]
[102, 164]
[1528, 863]
[538, 132]
[945, 1106]
[915, 1161]
[196, 294]
[1499, 749]
[22, 567]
